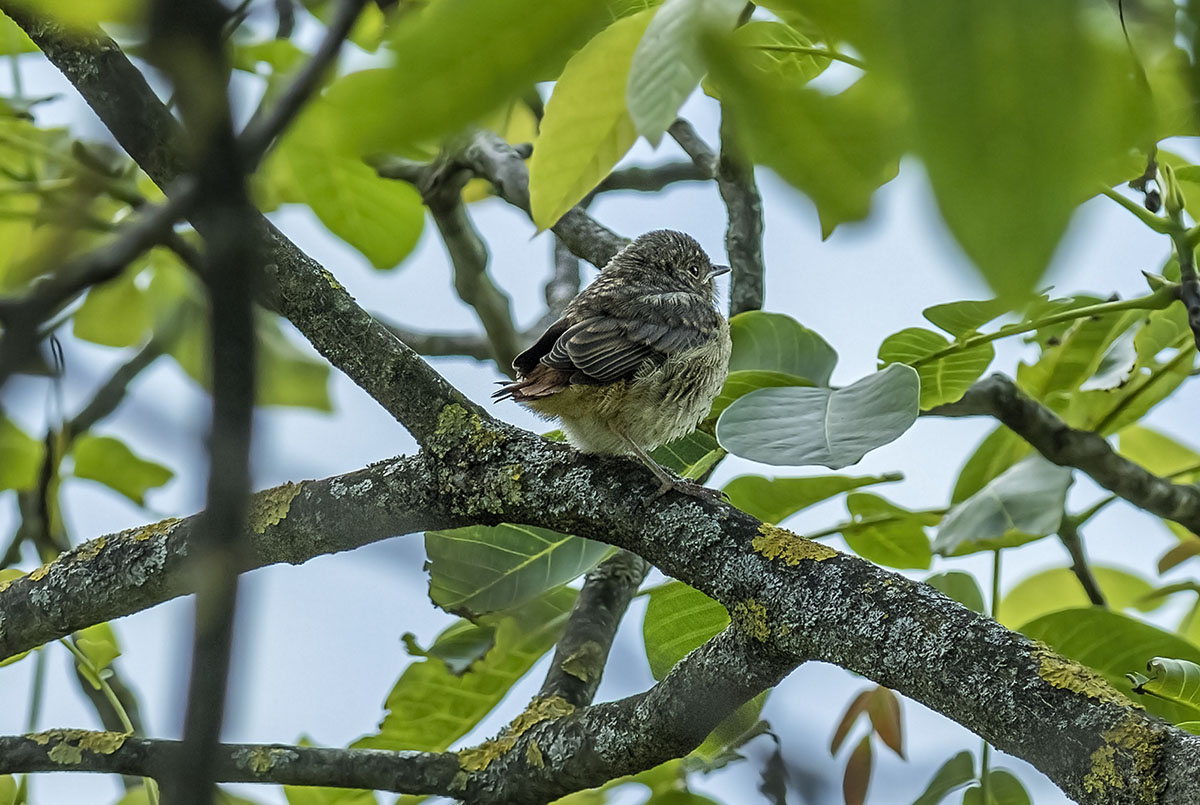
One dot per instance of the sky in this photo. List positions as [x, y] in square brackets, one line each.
[318, 645]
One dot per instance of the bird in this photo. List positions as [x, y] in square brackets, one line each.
[636, 358]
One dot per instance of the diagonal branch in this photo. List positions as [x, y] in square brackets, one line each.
[999, 397]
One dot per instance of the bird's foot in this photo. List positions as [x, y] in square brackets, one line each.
[688, 487]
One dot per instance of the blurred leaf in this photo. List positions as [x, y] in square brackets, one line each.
[858, 705]
[456, 60]
[775, 48]
[993, 86]
[586, 128]
[1114, 645]
[678, 620]
[1185, 550]
[1161, 330]
[13, 40]
[944, 379]
[669, 61]
[114, 314]
[479, 569]
[740, 383]
[832, 427]
[1058, 588]
[71, 12]
[1076, 357]
[99, 644]
[887, 534]
[109, 461]
[1023, 503]
[954, 773]
[1175, 681]
[1115, 367]
[1003, 789]
[959, 318]
[680, 798]
[312, 795]
[774, 499]
[20, 457]
[996, 453]
[691, 456]
[960, 586]
[430, 706]
[381, 218]
[836, 149]
[1157, 452]
[281, 55]
[884, 712]
[8, 789]
[857, 777]
[776, 342]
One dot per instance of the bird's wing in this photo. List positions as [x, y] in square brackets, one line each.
[611, 348]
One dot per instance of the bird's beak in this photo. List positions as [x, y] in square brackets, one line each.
[718, 271]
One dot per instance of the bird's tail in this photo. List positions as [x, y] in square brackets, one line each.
[541, 382]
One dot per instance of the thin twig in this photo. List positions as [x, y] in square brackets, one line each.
[744, 231]
[1068, 534]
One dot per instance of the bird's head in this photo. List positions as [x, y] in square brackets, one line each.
[670, 261]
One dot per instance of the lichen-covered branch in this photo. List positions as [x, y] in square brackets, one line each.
[998, 397]
[744, 231]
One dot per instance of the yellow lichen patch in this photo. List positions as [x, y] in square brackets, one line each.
[774, 542]
[41, 572]
[751, 617]
[88, 550]
[540, 709]
[534, 755]
[458, 426]
[1070, 675]
[331, 280]
[584, 661]
[261, 759]
[69, 745]
[65, 754]
[160, 529]
[1133, 736]
[270, 507]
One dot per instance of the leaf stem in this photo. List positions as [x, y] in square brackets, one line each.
[823, 53]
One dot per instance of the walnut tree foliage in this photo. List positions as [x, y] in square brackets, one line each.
[1019, 112]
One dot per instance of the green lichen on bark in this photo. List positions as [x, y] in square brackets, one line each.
[541, 709]
[1070, 675]
[585, 662]
[270, 507]
[162, 528]
[67, 746]
[1127, 759]
[774, 542]
[460, 429]
[751, 617]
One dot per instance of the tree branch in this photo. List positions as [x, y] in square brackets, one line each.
[999, 397]
[744, 232]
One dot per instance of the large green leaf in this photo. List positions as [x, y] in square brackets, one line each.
[740, 383]
[99, 644]
[454, 61]
[382, 218]
[837, 149]
[115, 314]
[669, 61]
[772, 500]
[943, 379]
[86, 15]
[778, 51]
[775, 342]
[1075, 356]
[691, 456]
[960, 586]
[1003, 789]
[1023, 503]
[831, 427]
[480, 569]
[20, 457]
[8, 789]
[586, 128]
[1157, 452]
[1058, 588]
[315, 795]
[887, 534]
[1172, 680]
[998, 85]
[431, 705]
[954, 773]
[959, 318]
[996, 453]
[109, 461]
[1114, 645]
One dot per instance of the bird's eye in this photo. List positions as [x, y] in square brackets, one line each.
[695, 269]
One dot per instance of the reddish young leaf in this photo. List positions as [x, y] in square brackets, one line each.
[856, 708]
[884, 710]
[1184, 550]
[858, 773]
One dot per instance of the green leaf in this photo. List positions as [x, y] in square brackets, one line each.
[669, 61]
[381, 218]
[1022, 504]
[114, 314]
[8, 789]
[954, 773]
[997, 85]
[1116, 364]
[13, 41]
[86, 15]
[586, 129]
[959, 586]
[1003, 789]
[775, 342]
[831, 427]
[740, 383]
[678, 620]
[1162, 330]
[996, 453]
[773, 500]
[944, 379]
[312, 795]
[431, 706]
[960, 318]
[836, 149]
[1076, 356]
[1113, 645]
[777, 50]
[1157, 452]
[1175, 681]
[109, 461]
[99, 644]
[691, 456]
[887, 534]
[20, 457]
[456, 60]
[480, 569]
[1058, 588]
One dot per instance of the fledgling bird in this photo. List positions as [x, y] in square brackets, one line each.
[637, 357]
